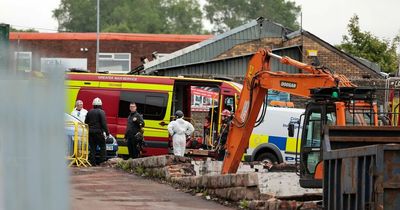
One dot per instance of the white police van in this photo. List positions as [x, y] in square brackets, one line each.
[270, 142]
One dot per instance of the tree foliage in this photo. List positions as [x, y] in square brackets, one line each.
[23, 30]
[134, 16]
[227, 14]
[365, 45]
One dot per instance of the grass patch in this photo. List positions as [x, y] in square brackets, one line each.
[123, 165]
[244, 204]
[139, 170]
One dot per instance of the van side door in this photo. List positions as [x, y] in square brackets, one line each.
[109, 98]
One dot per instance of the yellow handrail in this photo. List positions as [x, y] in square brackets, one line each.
[210, 140]
[80, 154]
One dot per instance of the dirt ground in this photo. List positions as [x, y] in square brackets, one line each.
[98, 188]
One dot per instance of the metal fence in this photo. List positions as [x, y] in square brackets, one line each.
[33, 170]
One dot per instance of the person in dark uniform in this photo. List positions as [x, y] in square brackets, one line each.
[134, 131]
[96, 119]
[223, 135]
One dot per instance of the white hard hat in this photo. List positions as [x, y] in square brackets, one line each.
[179, 113]
[97, 102]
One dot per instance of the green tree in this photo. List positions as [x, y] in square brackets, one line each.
[76, 15]
[135, 16]
[23, 30]
[365, 45]
[227, 14]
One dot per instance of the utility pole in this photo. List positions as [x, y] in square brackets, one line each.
[97, 36]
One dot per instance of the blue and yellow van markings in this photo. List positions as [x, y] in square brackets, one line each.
[287, 144]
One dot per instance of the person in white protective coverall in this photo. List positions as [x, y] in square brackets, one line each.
[179, 129]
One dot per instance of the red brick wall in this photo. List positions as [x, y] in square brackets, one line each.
[71, 49]
[331, 59]
[336, 62]
[326, 56]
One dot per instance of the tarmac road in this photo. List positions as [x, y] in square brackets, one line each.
[99, 188]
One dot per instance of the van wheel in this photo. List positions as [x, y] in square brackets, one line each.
[267, 157]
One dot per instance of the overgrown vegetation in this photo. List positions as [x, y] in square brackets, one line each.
[244, 204]
[124, 165]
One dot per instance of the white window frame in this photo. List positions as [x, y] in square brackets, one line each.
[18, 54]
[112, 58]
[107, 54]
[47, 64]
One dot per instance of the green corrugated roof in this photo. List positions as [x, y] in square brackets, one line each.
[209, 49]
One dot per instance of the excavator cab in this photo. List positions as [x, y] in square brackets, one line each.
[348, 106]
[316, 116]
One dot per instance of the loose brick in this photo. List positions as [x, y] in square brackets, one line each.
[273, 204]
[238, 193]
[257, 204]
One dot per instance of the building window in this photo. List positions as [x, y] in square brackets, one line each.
[63, 64]
[23, 61]
[115, 62]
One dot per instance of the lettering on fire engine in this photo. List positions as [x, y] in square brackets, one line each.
[395, 84]
[286, 84]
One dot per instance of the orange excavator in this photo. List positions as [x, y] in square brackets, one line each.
[333, 96]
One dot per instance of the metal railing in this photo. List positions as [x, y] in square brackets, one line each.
[78, 145]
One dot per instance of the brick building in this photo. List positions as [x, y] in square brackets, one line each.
[297, 44]
[118, 52]
[228, 54]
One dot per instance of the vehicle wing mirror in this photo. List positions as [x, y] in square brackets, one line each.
[291, 129]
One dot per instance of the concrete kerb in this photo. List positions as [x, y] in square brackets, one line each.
[157, 161]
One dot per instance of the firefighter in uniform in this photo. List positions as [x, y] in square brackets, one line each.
[226, 123]
[134, 131]
[96, 119]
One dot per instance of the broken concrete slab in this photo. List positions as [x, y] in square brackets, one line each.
[283, 184]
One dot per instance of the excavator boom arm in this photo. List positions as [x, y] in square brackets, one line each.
[258, 80]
